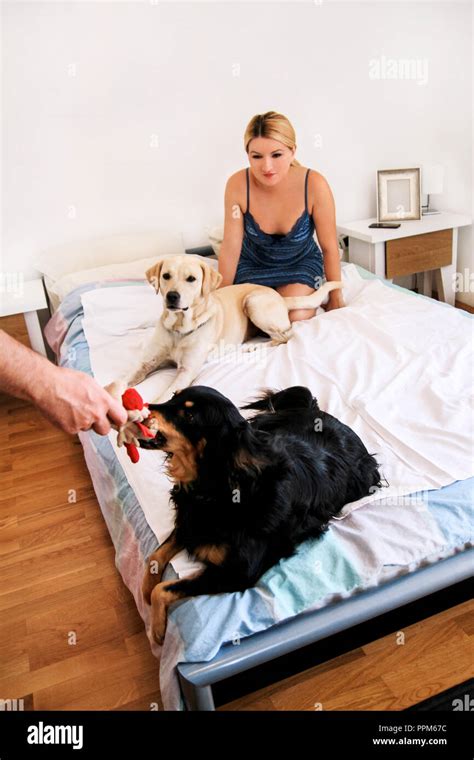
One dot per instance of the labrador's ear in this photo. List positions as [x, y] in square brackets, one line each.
[211, 278]
[153, 275]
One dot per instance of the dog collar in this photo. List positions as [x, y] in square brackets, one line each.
[190, 331]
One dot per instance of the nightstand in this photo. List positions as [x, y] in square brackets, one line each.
[203, 250]
[428, 246]
[28, 302]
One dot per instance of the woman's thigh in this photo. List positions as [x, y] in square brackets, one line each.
[297, 289]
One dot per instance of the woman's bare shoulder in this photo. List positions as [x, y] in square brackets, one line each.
[237, 179]
[318, 189]
[317, 183]
[236, 186]
[316, 177]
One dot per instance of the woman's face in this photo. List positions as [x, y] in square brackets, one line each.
[269, 159]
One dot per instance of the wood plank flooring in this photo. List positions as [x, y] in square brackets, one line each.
[386, 674]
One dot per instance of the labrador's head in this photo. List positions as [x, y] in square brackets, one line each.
[183, 280]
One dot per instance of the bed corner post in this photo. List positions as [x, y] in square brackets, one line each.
[196, 698]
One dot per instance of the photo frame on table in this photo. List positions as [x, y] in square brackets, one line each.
[398, 194]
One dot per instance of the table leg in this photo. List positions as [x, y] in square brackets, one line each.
[427, 286]
[445, 277]
[34, 332]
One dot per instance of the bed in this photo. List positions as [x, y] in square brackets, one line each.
[397, 368]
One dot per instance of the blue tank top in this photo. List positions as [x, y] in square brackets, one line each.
[276, 259]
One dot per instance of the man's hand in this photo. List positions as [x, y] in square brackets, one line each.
[68, 398]
[74, 401]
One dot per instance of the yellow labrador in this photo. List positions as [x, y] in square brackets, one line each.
[197, 316]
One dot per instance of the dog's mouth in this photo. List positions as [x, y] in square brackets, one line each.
[165, 434]
[160, 439]
[181, 453]
[172, 307]
[158, 442]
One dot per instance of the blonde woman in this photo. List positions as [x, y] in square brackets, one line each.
[263, 243]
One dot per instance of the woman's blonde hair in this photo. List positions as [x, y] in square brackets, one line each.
[273, 125]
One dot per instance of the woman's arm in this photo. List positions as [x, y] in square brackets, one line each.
[233, 233]
[324, 216]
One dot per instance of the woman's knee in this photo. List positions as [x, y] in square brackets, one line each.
[295, 289]
[297, 314]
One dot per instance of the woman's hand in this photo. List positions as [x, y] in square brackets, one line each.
[336, 301]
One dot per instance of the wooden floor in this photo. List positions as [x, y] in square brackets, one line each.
[70, 635]
[385, 675]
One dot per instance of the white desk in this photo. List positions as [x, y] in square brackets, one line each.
[29, 299]
[428, 246]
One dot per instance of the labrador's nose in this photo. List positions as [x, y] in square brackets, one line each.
[172, 297]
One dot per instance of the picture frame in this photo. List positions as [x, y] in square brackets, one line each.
[398, 194]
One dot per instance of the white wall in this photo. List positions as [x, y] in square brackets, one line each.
[88, 86]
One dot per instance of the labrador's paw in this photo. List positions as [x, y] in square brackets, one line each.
[247, 348]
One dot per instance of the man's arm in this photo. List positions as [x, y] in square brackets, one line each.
[70, 399]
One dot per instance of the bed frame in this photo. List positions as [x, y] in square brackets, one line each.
[197, 678]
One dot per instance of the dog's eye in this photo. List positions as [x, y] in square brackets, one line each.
[186, 415]
[166, 276]
[191, 278]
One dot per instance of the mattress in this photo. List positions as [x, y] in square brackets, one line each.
[395, 366]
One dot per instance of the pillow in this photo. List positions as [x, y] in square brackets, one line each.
[114, 249]
[216, 236]
[58, 290]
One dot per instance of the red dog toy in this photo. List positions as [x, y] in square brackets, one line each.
[132, 400]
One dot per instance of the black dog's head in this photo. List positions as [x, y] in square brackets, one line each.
[196, 422]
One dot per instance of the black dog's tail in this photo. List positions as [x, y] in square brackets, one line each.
[365, 478]
[296, 397]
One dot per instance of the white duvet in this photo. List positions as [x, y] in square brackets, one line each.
[396, 368]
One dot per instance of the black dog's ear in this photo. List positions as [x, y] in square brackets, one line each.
[250, 463]
[250, 455]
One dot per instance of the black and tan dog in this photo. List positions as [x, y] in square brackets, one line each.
[248, 492]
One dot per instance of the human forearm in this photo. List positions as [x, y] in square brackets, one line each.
[332, 264]
[332, 269]
[324, 216]
[70, 399]
[228, 261]
[22, 371]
